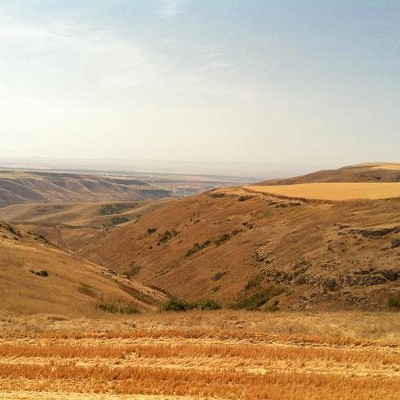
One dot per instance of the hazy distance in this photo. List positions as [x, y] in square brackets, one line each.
[212, 87]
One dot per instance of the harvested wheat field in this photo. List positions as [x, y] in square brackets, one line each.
[333, 191]
[161, 357]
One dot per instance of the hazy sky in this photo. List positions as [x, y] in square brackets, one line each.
[295, 82]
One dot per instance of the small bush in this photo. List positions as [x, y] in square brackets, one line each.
[87, 290]
[255, 301]
[222, 239]
[197, 247]
[167, 235]
[177, 305]
[183, 305]
[329, 284]
[218, 275]
[208, 305]
[254, 282]
[115, 309]
[151, 230]
[394, 300]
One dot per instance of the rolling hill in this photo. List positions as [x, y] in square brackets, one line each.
[38, 278]
[74, 226]
[18, 187]
[369, 172]
[245, 247]
[258, 251]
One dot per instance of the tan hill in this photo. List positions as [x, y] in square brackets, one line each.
[43, 187]
[36, 277]
[255, 250]
[371, 172]
[245, 247]
[74, 226]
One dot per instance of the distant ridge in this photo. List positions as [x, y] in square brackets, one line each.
[368, 172]
[19, 187]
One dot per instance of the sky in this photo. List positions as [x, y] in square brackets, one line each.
[252, 81]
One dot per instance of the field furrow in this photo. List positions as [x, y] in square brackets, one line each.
[171, 364]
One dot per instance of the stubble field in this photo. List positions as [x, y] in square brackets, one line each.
[240, 356]
[333, 191]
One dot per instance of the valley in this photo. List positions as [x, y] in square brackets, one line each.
[296, 287]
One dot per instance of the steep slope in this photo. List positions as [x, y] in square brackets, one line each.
[38, 278]
[42, 187]
[259, 251]
[371, 172]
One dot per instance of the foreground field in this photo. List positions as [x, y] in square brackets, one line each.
[333, 191]
[228, 356]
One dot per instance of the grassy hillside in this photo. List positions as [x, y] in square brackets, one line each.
[36, 277]
[371, 172]
[253, 250]
[245, 247]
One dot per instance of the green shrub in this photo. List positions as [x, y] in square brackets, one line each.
[222, 239]
[167, 235]
[177, 305]
[197, 247]
[86, 289]
[208, 305]
[115, 309]
[254, 282]
[117, 208]
[183, 305]
[119, 220]
[255, 301]
[218, 275]
[394, 300]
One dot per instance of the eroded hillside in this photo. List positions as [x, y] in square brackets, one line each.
[256, 251]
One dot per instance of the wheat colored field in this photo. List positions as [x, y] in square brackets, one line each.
[229, 355]
[333, 191]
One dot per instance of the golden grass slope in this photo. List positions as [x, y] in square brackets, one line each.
[369, 172]
[333, 191]
[230, 244]
[73, 286]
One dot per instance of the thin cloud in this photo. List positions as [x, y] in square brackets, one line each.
[170, 8]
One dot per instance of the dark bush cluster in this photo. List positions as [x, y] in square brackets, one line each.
[183, 305]
[258, 299]
[117, 309]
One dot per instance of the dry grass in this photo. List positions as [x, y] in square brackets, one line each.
[389, 166]
[197, 364]
[333, 191]
[74, 359]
